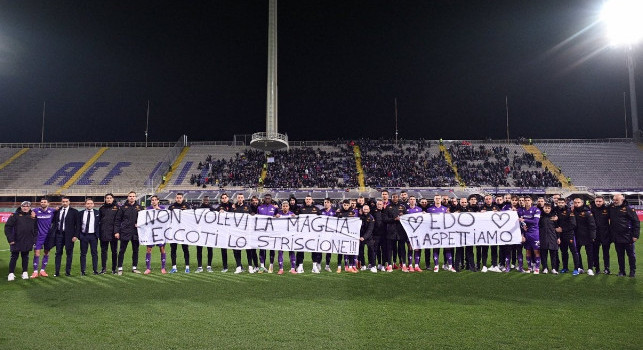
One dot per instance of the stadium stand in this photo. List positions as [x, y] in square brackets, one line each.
[323, 168]
[600, 165]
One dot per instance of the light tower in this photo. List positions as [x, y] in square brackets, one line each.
[271, 139]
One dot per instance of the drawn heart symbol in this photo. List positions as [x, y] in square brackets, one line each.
[500, 219]
[415, 222]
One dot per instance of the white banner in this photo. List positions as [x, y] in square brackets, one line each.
[447, 230]
[202, 227]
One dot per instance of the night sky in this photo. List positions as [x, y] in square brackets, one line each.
[341, 64]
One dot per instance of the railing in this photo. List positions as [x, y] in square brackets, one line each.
[270, 136]
[76, 192]
[84, 144]
[216, 143]
[166, 162]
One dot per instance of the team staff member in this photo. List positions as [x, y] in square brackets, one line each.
[179, 204]
[366, 236]
[328, 211]
[125, 230]
[44, 216]
[309, 208]
[205, 204]
[438, 208]
[67, 230]
[489, 205]
[566, 226]
[395, 231]
[107, 220]
[549, 239]
[345, 212]
[624, 228]
[224, 206]
[603, 239]
[21, 230]
[90, 231]
[241, 207]
[585, 234]
[379, 235]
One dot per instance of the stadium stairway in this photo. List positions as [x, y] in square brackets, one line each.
[538, 155]
[82, 170]
[447, 156]
[175, 165]
[13, 157]
[360, 170]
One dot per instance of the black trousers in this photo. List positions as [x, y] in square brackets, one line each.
[554, 258]
[224, 258]
[380, 246]
[567, 245]
[300, 258]
[606, 254]
[621, 250]
[104, 247]
[371, 245]
[199, 256]
[121, 253]
[88, 241]
[400, 251]
[428, 258]
[589, 252]
[317, 257]
[237, 257]
[253, 259]
[360, 253]
[14, 259]
[69, 251]
[186, 253]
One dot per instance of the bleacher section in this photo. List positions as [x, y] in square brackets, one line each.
[48, 169]
[327, 168]
[605, 165]
[198, 154]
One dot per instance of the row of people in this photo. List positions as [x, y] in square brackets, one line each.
[547, 227]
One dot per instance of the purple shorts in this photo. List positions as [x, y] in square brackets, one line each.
[41, 240]
[532, 243]
[156, 245]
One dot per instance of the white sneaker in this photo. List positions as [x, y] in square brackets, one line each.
[590, 272]
[238, 270]
[25, 276]
[484, 269]
[383, 269]
[199, 270]
[300, 268]
[444, 267]
[224, 270]
[209, 269]
[536, 271]
[580, 271]
[451, 269]
[251, 269]
[554, 272]
[315, 269]
[436, 268]
[545, 271]
[328, 268]
[364, 268]
[379, 267]
[11, 277]
[374, 269]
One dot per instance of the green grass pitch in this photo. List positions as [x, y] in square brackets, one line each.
[365, 310]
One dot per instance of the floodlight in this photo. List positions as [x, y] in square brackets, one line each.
[624, 20]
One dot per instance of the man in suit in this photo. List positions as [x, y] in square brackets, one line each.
[89, 234]
[66, 221]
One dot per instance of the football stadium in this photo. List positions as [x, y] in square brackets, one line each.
[323, 242]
